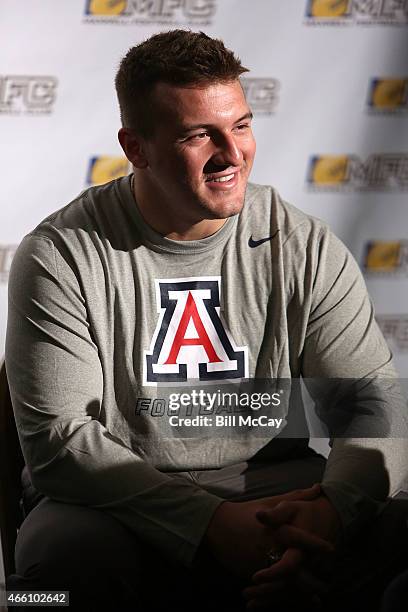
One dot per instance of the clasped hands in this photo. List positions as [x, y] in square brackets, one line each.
[302, 526]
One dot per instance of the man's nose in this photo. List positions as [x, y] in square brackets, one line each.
[228, 152]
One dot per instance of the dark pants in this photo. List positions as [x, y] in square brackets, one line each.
[396, 595]
[105, 567]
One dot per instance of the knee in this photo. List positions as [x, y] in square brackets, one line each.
[80, 550]
[60, 540]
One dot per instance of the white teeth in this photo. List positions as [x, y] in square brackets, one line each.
[223, 179]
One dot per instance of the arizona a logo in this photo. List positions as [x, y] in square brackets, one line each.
[191, 342]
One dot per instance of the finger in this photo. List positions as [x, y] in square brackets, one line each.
[289, 564]
[289, 536]
[305, 494]
[297, 495]
[266, 588]
[283, 512]
[302, 494]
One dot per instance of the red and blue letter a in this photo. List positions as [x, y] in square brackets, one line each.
[191, 342]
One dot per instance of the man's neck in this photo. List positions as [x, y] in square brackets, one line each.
[173, 228]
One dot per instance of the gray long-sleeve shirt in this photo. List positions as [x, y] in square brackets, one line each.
[102, 309]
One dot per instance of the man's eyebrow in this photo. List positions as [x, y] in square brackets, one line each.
[190, 128]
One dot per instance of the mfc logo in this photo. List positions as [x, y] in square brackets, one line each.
[395, 329]
[386, 257]
[261, 94]
[383, 171]
[161, 11]
[388, 95]
[338, 12]
[191, 341]
[27, 94]
[6, 257]
[104, 168]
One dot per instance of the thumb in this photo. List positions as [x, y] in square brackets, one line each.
[282, 513]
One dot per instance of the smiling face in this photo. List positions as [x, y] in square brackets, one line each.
[193, 171]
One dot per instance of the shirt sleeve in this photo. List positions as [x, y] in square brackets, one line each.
[56, 384]
[349, 372]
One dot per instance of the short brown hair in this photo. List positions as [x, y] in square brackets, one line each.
[178, 57]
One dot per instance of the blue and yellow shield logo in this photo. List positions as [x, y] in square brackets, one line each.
[103, 169]
[388, 94]
[328, 9]
[105, 7]
[328, 170]
[382, 256]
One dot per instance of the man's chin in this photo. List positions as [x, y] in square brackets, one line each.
[223, 209]
[224, 213]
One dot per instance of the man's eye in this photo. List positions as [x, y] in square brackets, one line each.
[199, 136]
[243, 126]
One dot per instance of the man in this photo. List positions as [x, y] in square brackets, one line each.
[184, 274]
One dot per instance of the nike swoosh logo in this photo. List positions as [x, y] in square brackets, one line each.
[254, 243]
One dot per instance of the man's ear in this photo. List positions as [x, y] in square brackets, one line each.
[132, 145]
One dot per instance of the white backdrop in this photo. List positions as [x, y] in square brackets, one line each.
[328, 86]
